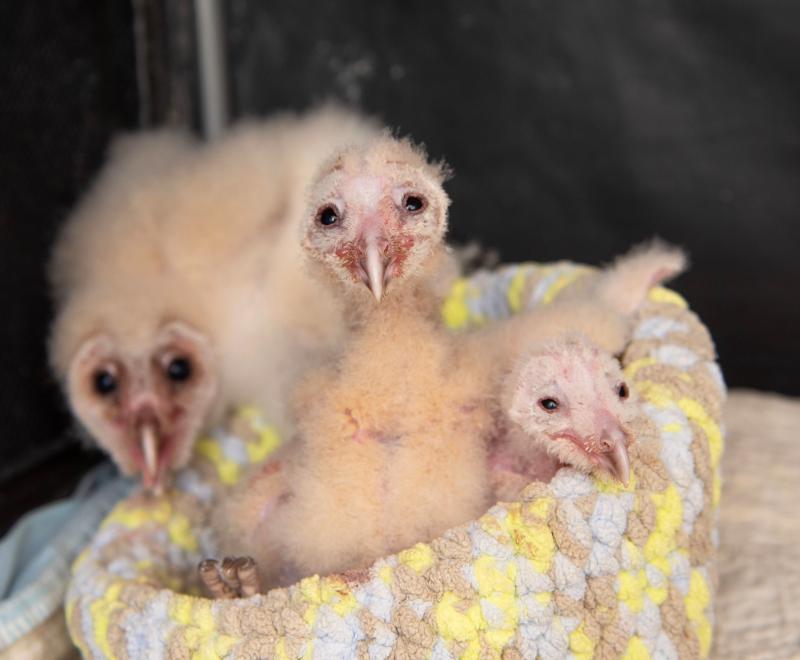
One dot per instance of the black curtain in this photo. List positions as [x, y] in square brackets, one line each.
[577, 128]
[67, 82]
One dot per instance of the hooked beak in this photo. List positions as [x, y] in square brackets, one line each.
[374, 267]
[614, 460]
[150, 445]
[608, 451]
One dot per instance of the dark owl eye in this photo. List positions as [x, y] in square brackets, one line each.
[413, 203]
[327, 216]
[622, 391]
[548, 405]
[104, 382]
[179, 369]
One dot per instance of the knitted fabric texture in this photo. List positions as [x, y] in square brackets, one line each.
[580, 568]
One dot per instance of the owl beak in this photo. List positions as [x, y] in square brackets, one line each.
[148, 437]
[615, 459]
[375, 268]
[151, 448]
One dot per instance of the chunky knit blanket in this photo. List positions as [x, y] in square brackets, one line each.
[577, 568]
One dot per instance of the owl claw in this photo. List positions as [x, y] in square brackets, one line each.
[235, 577]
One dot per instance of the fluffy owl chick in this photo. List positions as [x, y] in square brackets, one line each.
[568, 404]
[571, 363]
[180, 288]
[129, 341]
[390, 440]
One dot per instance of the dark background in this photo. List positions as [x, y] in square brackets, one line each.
[575, 129]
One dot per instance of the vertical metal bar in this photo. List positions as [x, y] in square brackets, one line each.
[213, 71]
[144, 84]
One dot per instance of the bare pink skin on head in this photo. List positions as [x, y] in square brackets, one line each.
[144, 409]
[569, 400]
[376, 211]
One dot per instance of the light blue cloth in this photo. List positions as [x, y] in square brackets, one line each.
[36, 555]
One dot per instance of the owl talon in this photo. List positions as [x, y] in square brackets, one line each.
[234, 577]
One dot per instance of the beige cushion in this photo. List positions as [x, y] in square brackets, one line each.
[758, 602]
